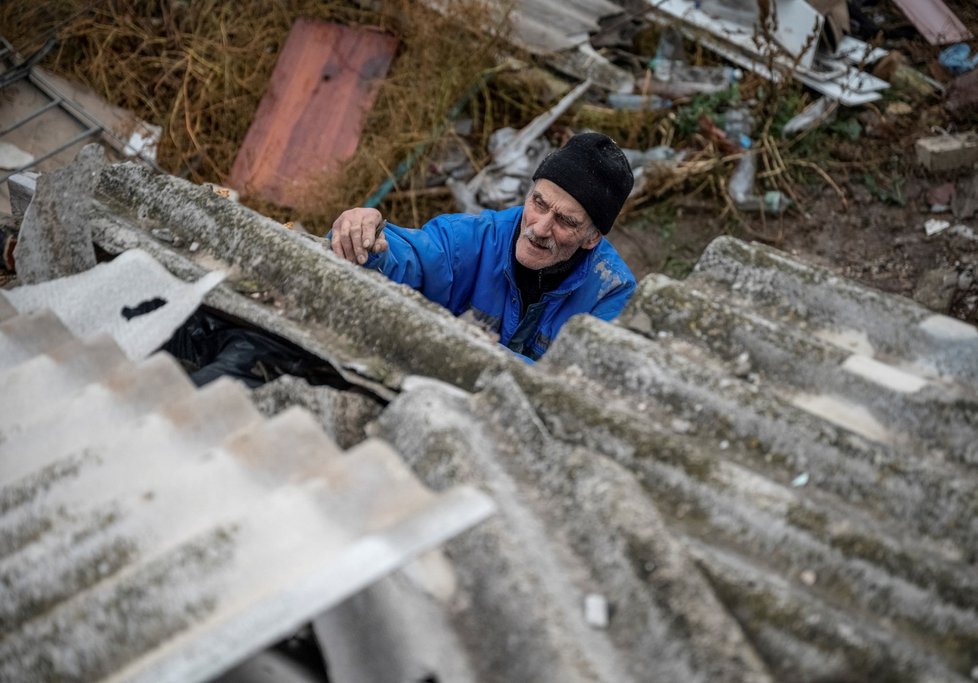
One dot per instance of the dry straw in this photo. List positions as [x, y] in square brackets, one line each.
[199, 70]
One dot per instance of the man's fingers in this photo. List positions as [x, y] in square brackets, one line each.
[355, 234]
[381, 244]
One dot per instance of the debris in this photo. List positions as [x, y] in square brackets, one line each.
[741, 188]
[935, 21]
[944, 152]
[52, 242]
[962, 96]
[964, 203]
[821, 111]
[808, 577]
[894, 68]
[936, 289]
[310, 119]
[738, 125]
[672, 76]
[515, 156]
[791, 48]
[143, 141]
[894, 109]
[801, 480]
[12, 156]
[596, 610]
[939, 198]
[637, 102]
[957, 59]
[935, 226]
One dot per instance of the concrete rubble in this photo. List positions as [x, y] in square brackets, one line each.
[763, 472]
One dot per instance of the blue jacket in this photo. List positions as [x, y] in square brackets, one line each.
[466, 262]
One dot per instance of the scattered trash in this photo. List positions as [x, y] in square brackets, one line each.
[12, 156]
[672, 76]
[808, 577]
[935, 226]
[741, 188]
[819, 112]
[958, 59]
[724, 445]
[945, 152]
[894, 109]
[515, 156]
[935, 21]
[894, 69]
[965, 231]
[636, 102]
[801, 480]
[793, 47]
[738, 125]
[596, 611]
[939, 198]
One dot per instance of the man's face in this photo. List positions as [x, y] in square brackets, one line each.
[554, 227]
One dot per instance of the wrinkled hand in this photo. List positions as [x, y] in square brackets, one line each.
[357, 233]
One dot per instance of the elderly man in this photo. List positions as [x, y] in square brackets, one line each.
[522, 271]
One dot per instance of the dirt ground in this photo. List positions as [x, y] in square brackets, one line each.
[875, 242]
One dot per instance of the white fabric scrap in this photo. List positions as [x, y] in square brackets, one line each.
[92, 302]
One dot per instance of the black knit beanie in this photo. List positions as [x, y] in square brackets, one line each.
[592, 169]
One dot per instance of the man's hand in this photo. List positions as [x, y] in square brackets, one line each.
[357, 233]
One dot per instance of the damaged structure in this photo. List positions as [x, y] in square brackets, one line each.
[762, 472]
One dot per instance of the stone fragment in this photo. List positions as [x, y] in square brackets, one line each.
[55, 238]
[945, 152]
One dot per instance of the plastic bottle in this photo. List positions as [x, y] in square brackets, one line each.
[738, 124]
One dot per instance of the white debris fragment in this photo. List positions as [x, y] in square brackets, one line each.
[808, 577]
[935, 226]
[800, 480]
[12, 156]
[596, 610]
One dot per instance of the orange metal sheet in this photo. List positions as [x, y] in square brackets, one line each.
[311, 116]
[935, 21]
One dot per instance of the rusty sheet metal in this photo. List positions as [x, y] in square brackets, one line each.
[311, 116]
[935, 21]
[153, 532]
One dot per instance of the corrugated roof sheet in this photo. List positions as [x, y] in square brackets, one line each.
[767, 471]
[153, 532]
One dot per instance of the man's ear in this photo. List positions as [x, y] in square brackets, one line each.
[592, 241]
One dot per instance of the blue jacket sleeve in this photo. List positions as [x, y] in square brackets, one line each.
[437, 260]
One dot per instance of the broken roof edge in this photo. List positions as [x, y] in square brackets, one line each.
[318, 300]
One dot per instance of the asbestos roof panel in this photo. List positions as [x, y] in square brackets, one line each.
[310, 119]
[766, 471]
[153, 532]
[113, 297]
[935, 21]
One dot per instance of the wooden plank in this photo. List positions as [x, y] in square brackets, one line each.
[935, 21]
[310, 119]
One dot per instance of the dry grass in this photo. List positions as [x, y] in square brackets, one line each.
[199, 70]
